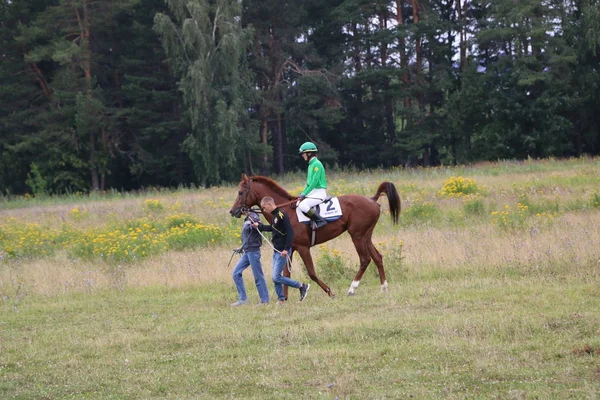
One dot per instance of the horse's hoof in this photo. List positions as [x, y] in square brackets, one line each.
[384, 287]
[350, 293]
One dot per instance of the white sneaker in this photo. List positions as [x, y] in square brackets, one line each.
[239, 303]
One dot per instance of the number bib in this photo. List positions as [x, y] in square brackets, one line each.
[330, 210]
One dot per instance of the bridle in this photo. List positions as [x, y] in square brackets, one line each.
[244, 208]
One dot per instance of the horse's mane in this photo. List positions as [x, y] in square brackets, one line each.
[271, 184]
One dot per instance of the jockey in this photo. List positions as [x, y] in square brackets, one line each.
[315, 190]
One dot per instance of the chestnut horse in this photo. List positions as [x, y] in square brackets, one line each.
[360, 215]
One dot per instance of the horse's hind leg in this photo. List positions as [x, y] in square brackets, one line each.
[310, 269]
[365, 258]
[378, 259]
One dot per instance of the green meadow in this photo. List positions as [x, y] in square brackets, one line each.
[494, 274]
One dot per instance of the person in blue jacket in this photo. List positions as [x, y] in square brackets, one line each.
[250, 251]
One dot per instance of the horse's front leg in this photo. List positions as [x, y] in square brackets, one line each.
[310, 269]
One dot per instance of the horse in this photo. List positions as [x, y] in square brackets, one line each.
[360, 215]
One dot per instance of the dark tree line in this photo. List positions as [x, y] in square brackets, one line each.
[99, 94]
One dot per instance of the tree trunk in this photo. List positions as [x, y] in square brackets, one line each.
[279, 153]
[356, 55]
[426, 159]
[462, 34]
[264, 138]
[86, 65]
[387, 97]
[358, 87]
[39, 76]
[403, 57]
[419, 56]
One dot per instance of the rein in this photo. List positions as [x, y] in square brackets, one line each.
[259, 211]
[287, 203]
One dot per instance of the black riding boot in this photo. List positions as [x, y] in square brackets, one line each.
[318, 220]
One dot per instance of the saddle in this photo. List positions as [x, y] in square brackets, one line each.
[329, 209]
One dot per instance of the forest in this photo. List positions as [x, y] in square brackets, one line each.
[130, 94]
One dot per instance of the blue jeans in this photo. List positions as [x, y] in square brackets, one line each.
[279, 280]
[251, 258]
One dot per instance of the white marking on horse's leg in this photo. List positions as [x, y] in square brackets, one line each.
[384, 286]
[353, 287]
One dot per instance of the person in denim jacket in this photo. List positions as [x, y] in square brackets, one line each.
[250, 251]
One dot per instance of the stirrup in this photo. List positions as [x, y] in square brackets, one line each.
[314, 225]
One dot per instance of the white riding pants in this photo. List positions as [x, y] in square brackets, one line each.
[316, 196]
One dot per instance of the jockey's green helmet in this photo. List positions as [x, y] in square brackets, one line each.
[307, 148]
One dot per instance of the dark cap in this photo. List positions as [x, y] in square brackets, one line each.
[252, 215]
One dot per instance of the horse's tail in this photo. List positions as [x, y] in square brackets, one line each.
[393, 198]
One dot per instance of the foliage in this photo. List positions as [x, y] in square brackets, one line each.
[510, 218]
[129, 241]
[154, 205]
[180, 220]
[154, 93]
[393, 258]
[419, 212]
[36, 182]
[474, 205]
[457, 186]
[207, 45]
[595, 200]
[28, 241]
[332, 266]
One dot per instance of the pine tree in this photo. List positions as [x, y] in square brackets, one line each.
[24, 95]
[147, 106]
[65, 47]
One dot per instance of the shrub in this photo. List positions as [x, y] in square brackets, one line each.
[510, 218]
[393, 259]
[180, 220]
[473, 206]
[26, 241]
[332, 266]
[36, 182]
[595, 200]
[419, 212]
[122, 245]
[127, 241]
[541, 221]
[78, 214]
[154, 205]
[457, 186]
[551, 206]
[191, 235]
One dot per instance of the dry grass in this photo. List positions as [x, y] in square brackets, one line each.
[568, 240]
[61, 275]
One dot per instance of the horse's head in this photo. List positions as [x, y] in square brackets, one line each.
[246, 197]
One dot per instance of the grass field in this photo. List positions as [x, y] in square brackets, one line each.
[494, 274]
